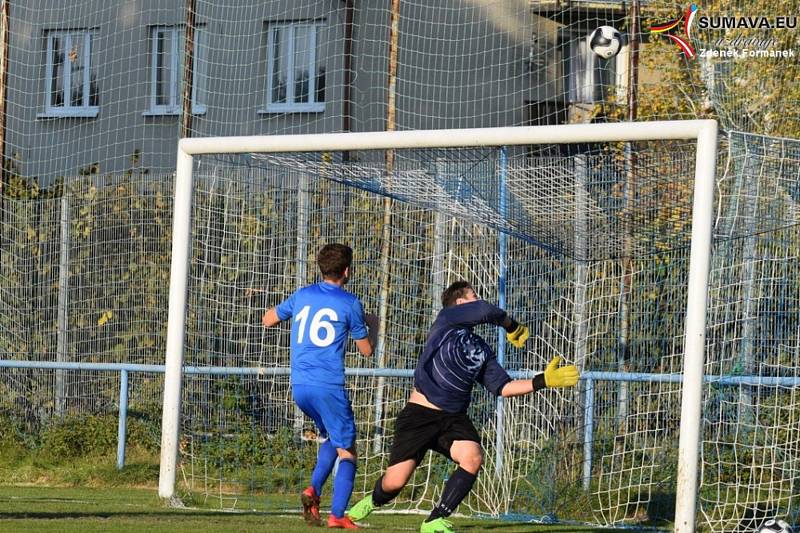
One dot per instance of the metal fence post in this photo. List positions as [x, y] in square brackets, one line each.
[123, 418]
[63, 303]
[588, 429]
[301, 255]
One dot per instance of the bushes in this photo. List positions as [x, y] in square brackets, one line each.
[75, 451]
[84, 435]
[78, 436]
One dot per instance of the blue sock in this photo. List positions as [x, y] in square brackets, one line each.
[326, 458]
[343, 487]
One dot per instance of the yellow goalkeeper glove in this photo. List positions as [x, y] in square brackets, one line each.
[566, 376]
[518, 336]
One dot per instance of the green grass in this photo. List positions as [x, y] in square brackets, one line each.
[72, 485]
[72, 509]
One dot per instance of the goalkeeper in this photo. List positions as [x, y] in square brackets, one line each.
[324, 315]
[435, 417]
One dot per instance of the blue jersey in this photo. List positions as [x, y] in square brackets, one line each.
[454, 358]
[322, 316]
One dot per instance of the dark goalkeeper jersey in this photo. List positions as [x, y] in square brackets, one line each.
[454, 357]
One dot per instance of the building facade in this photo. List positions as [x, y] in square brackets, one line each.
[99, 87]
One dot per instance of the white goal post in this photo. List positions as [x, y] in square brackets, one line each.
[703, 131]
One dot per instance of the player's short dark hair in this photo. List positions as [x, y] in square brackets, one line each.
[333, 259]
[455, 291]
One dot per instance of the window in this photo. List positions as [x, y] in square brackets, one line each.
[71, 80]
[588, 78]
[295, 77]
[166, 71]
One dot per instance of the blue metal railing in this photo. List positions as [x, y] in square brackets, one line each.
[588, 377]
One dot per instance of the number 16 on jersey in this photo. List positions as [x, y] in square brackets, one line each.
[321, 331]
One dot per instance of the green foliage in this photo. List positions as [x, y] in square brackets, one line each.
[13, 441]
[144, 433]
[18, 186]
[79, 436]
[82, 435]
[78, 451]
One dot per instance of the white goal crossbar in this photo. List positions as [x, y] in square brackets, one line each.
[703, 131]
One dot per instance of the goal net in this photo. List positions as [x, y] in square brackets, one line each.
[751, 413]
[590, 248]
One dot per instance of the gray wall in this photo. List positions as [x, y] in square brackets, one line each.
[470, 71]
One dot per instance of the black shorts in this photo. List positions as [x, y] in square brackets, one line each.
[419, 429]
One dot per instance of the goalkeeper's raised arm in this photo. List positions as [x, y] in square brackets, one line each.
[473, 311]
[554, 376]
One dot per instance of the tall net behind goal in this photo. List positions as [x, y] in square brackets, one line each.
[560, 232]
[99, 88]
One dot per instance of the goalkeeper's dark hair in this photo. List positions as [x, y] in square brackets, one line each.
[333, 259]
[455, 291]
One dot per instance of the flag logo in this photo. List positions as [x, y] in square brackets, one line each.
[673, 27]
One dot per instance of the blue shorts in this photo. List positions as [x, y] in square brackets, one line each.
[330, 410]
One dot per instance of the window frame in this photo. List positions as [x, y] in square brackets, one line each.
[85, 110]
[174, 107]
[289, 106]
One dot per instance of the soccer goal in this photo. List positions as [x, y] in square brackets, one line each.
[596, 235]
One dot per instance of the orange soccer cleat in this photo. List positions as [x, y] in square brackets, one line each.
[341, 523]
[310, 502]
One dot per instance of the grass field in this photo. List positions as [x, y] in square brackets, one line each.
[50, 509]
[69, 486]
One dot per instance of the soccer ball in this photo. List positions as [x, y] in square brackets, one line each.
[775, 526]
[605, 41]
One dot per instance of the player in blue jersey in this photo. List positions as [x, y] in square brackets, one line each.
[435, 418]
[323, 315]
